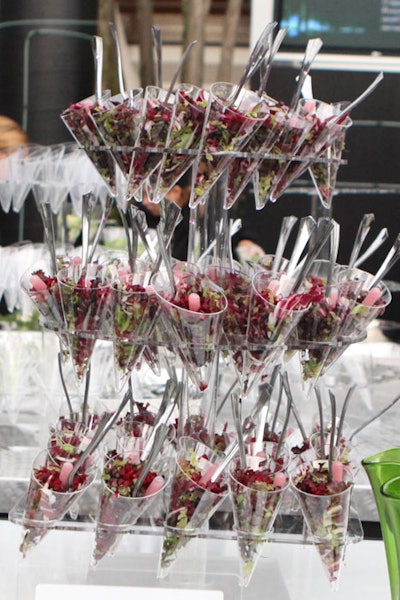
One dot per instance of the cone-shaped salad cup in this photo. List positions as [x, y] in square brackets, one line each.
[50, 495]
[134, 310]
[256, 494]
[324, 499]
[228, 126]
[315, 116]
[78, 118]
[184, 139]
[41, 286]
[156, 120]
[119, 124]
[192, 314]
[118, 509]
[194, 498]
[85, 298]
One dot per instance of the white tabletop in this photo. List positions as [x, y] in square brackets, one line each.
[285, 571]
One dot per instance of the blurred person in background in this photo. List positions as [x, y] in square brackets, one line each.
[244, 247]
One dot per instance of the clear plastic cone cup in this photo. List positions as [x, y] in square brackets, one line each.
[291, 132]
[256, 495]
[226, 131]
[120, 125]
[272, 319]
[326, 514]
[118, 511]
[156, 121]
[192, 316]
[184, 139]
[44, 505]
[194, 497]
[365, 303]
[85, 299]
[134, 310]
[240, 170]
[78, 118]
[324, 173]
[237, 289]
[317, 135]
[42, 288]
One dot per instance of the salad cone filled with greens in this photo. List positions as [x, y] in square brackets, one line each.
[192, 315]
[120, 504]
[85, 299]
[324, 499]
[119, 124]
[194, 498]
[78, 118]
[256, 492]
[183, 142]
[227, 129]
[134, 311]
[156, 119]
[51, 495]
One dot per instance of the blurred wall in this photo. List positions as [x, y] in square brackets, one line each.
[58, 69]
[43, 70]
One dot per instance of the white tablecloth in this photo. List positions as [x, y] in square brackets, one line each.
[284, 572]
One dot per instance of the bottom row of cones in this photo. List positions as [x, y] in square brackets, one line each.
[195, 495]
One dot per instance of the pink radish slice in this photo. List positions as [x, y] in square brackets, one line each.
[333, 297]
[309, 106]
[373, 295]
[194, 302]
[337, 471]
[279, 480]
[37, 283]
[274, 286]
[64, 474]
[155, 486]
[205, 478]
[134, 456]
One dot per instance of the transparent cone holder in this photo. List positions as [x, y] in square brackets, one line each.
[227, 129]
[240, 170]
[366, 303]
[363, 306]
[317, 332]
[41, 286]
[291, 131]
[183, 142]
[314, 117]
[195, 335]
[24, 165]
[80, 123]
[134, 315]
[44, 506]
[191, 503]
[118, 513]
[324, 173]
[119, 125]
[255, 507]
[156, 121]
[236, 286]
[271, 323]
[85, 298]
[326, 516]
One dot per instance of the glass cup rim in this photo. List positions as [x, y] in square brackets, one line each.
[284, 470]
[165, 473]
[346, 490]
